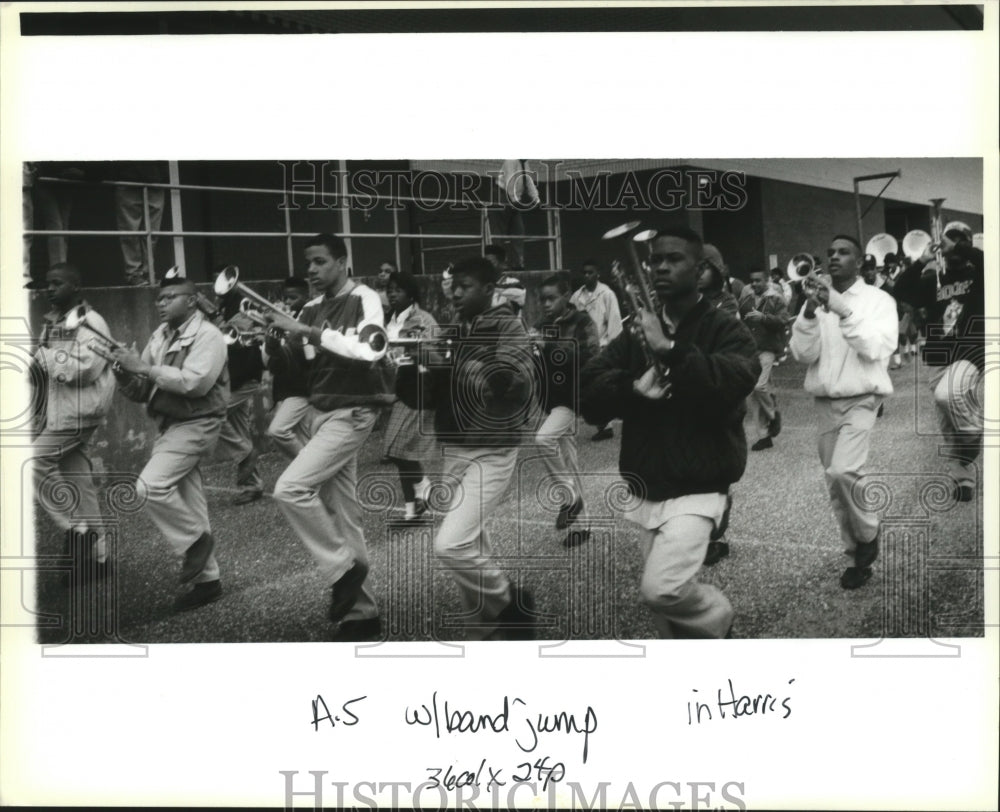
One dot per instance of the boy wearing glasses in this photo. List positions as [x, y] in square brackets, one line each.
[182, 378]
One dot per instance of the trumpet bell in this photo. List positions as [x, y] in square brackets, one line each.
[880, 245]
[226, 280]
[915, 243]
[76, 317]
[618, 231]
[800, 266]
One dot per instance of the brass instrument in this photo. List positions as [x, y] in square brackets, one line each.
[248, 338]
[916, 242]
[229, 278]
[639, 291]
[102, 345]
[880, 246]
[802, 269]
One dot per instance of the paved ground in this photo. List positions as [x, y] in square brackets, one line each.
[782, 575]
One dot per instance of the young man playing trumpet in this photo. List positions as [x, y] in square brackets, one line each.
[679, 381]
[182, 378]
[846, 332]
[346, 384]
[79, 390]
[485, 408]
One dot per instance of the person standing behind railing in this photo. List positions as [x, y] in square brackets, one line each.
[130, 214]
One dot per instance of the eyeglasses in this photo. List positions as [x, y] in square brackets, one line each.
[163, 298]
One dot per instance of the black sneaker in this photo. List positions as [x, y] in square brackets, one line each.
[246, 497]
[198, 595]
[345, 592]
[196, 557]
[963, 493]
[604, 433]
[774, 426]
[574, 538]
[855, 577]
[357, 631]
[568, 513]
[761, 444]
[717, 550]
[866, 553]
[516, 621]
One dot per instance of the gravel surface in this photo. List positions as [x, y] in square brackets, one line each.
[782, 574]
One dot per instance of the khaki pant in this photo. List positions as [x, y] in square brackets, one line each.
[845, 427]
[318, 495]
[64, 482]
[286, 428]
[236, 440]
[557, 439]
[958, 397]
[480, 477]
[762, 403]
[172, 486]
[675, 536]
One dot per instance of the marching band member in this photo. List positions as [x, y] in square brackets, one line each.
[846, 333]
[484, 405]
[577, 343]
[712, 284]
[682, 441]
[288, 392]
[236, 441]
[182, 378]
[407, 441]
[599, 302]
[715, 288]
[318, 491]
[764, 312]
[955, 303]
[80, 387]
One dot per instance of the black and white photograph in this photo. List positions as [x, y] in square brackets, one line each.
[303, 382]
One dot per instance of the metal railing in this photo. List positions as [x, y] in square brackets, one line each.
[148, 234]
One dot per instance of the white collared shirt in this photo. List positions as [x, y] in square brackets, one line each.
[850, 356]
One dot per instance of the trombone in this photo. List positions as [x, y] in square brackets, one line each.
[102, 345]
[639, 290]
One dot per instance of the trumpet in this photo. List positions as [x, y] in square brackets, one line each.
[248, 338]
[409, 344]
[639, 291]
[802, 269]
[916, 242]
[103, 344]
[229, 279]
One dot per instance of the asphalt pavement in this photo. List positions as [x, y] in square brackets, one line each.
[782, 574]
